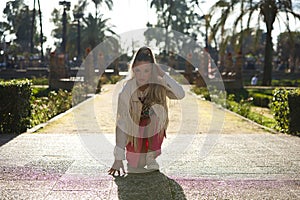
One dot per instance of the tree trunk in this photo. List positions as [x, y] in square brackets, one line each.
[269, 11]
[267, 75]
[32, 28]
[167, 26]
[41, 31]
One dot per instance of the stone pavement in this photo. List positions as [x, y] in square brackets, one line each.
[217, 155]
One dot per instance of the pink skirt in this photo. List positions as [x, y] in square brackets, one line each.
[135, 156]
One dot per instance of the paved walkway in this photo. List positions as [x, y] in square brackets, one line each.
[217, 155]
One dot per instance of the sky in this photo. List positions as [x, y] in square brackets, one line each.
[127, 15]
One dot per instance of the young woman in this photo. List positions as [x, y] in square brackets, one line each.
[142, 115]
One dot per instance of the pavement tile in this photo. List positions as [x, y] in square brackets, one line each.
[27, 173]
[70, 195]
[83, 183]
[239, 189]
[27, 184]
[22, 194]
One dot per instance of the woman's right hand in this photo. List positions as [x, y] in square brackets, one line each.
[116, 167]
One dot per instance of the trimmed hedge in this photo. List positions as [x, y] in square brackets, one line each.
[294, 106]
[15, 106]
[286, 107]
[261, 100]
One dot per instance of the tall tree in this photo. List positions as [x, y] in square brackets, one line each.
[78, 14]
[108, 3]
[33, 29]
[68, 31]
[172, 15]
[18, 16]
[56, 20]
[95, 30]
[4, 26]
[268, 12]
[288, 48]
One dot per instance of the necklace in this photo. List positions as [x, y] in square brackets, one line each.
[142, 94]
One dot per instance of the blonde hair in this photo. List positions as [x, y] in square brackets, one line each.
[156, 91]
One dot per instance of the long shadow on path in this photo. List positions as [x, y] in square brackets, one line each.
[154, 185]
[5, 138]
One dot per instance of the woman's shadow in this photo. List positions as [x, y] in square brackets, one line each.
[153, 185]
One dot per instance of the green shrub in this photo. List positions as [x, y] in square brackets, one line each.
[40, 81]
[40, 91]
[201, 91]
[79, 93]
[242, 108]
[21, 108]
[286, 108]
[284, 82]
[231, 102]
[281, 109]
[180, 78]
[39, 111]
[15, 106]
[294, 107]
[218, 96]
[114, 79]
[239, 94]
[103, 79]
[261, 119]
[211, 94]
[45, 108]
[262, 100]
[59, 101]
[239, 102]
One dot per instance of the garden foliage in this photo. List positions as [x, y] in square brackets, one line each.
[15, 107]
[21, 109]
[286, 108]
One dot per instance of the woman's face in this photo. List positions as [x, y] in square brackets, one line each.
[142, 71]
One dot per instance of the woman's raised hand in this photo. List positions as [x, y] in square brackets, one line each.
[160, 71]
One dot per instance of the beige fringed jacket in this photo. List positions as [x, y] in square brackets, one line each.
[127, 124]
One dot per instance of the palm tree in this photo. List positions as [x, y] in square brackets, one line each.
[41, 30]
[268, 12]
[109, 4]
[18, 16]
[173, 16]
[95, 30]
[166, 7]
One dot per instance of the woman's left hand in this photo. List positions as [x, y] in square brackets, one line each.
[117, 167]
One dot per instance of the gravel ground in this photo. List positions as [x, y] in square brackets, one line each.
[209, 153]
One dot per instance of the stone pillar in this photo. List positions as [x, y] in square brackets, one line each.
[89, 67]
[57, 69]
[228, 64]
[189, 68]
[238, 67]
[239, 63]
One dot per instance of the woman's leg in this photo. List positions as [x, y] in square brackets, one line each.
[134, 156]
[154, 150]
